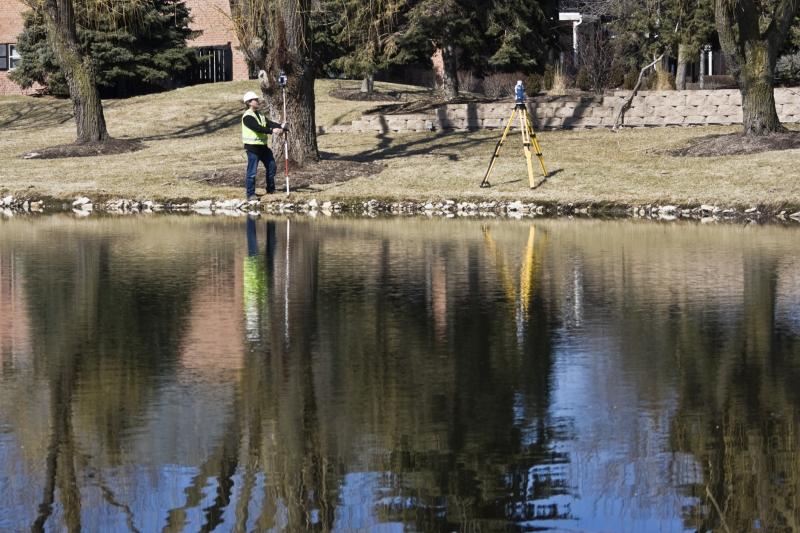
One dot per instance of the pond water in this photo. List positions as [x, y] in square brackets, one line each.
[197, 374]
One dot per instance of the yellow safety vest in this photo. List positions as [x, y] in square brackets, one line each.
[251, 137]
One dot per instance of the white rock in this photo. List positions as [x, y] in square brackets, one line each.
[7, 201]
[708, 208]
[514, 206]
[429, 206]
[327, 205]
[82, 212]
[751, 210]
[81, 201]
[313, 204]
[795, 216]
[36, 206]
[668, 209]
[203, 204]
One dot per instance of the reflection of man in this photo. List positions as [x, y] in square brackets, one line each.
[256, 270]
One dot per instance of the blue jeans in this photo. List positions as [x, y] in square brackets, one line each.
[253, 158]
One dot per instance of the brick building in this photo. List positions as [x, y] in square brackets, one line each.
[220, 59]
[10, 27]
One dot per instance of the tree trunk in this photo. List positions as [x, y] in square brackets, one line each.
[368, 84]
[449, 87]
[757, 88]
[78, 70]
[275, 37]
[290, 52]
[752, 53]
[683, 63]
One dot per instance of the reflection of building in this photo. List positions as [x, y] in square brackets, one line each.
[217, 46]
[14, 326]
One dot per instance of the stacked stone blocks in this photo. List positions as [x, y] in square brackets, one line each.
[649, 108]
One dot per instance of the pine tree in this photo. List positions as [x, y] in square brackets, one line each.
[520, 32]
[366, 35]
[139, 54]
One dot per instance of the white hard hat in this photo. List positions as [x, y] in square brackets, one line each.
[519, 82]
[249, 95]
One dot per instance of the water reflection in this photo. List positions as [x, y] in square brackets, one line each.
[183, 374]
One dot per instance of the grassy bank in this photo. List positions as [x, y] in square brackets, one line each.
[197, 129]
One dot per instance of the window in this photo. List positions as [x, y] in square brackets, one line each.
[4, 57]
[13, 56]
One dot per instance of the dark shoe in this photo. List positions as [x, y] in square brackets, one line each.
[271, 192]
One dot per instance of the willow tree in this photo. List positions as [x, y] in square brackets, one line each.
[275, 36]
[59, 17]
[752, 33]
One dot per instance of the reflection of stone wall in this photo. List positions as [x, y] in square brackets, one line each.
[650, 108]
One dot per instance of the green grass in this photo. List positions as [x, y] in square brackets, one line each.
[197, 129]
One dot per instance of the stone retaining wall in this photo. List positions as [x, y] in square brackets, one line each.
[649, 108]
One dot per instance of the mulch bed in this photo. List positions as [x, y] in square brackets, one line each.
[109, 147]
[326, 171]
[737, 144]
[357, 95]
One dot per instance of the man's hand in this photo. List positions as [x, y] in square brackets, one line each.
[285, 126]
[277, 131]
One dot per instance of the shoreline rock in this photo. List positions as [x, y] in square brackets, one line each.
[447, 208]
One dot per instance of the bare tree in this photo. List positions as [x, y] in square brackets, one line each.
[596, 56]
[752, 34]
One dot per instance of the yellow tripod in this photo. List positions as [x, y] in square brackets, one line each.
[528, 140]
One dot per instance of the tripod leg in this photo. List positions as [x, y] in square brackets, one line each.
[485, 182]
[536, 147]
[526, 144]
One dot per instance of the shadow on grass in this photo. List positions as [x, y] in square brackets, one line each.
[33, 114]
[221, 117]
[447, 143]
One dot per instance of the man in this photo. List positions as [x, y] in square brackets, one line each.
[255, 137]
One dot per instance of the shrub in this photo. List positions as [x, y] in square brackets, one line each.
[560, 81]
[583, 81]
[787, 70]
[547, 77]
[534, 83]
[629, 81]
[500, 84]
[467, 81]
[617, 77]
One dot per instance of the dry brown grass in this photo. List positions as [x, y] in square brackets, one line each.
[196, 129]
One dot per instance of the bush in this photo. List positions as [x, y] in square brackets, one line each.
[500, 84]
[547, 77]
[583, 81]
[468, 82]
[787, 70]
[629, 81]
[617, 77]
[534, 83]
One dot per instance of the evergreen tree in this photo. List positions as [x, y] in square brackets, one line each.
[521, 32]
[134, 55]
[365, 33]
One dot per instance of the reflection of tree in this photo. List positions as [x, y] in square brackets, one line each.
[367, 381]
[108, 330]
[739, 414]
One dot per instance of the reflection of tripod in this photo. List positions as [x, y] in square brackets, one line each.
[528, 139]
